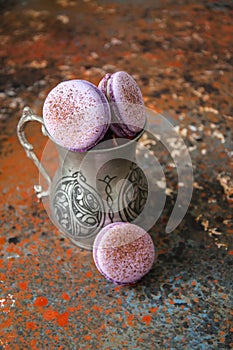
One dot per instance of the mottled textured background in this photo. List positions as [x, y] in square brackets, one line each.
[180, 53]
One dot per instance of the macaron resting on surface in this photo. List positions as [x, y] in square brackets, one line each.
[76, 114]
[126, 102]
[123, 252]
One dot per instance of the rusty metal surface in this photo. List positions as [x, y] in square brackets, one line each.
[180, 53]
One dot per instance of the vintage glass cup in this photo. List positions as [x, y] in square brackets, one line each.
[90, 189]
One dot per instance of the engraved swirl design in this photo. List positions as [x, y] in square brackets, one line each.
[133, 195]
[109, 191]
[78, 208]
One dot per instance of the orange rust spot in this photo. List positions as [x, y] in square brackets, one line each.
[13, 249]
[146, 319]
[24, 242]
[33, 343]
[126, 54]
[1, 262]
[92, 293]
[230, 252]
[23, 285]
[171, 302]
[97, 308]
[78, 307]
[2, 240]
[222, 340]
[141, 340]
[50, 314]
[119, 301]
[69, 252]
[175, 64]
[194, 283]
[65, 296]
[31, 325]
[41, 301]
[102, 326]
[71, 309]
[25, 296]
[62, 319]
[21, 339]
[88, 274]
[216, 84]
[109, 311]
[2, 277]
[151, 56]
[87, 337]
[129, 320]
[6, 324]
[224, 296]
[153, 309]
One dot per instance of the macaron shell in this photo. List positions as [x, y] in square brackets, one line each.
[123, 253]
[127, 103]
[76, 115]
[103, 83]
[115, 126]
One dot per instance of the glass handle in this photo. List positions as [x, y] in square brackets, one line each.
[29, 116]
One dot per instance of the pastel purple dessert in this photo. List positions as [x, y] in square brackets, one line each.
[123, 252]
[76, 115]
[125, 98]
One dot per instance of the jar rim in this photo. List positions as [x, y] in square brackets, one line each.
[101, 150]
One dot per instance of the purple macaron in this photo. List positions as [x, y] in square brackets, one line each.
[76, 115]
[127, 105]
[123, 253]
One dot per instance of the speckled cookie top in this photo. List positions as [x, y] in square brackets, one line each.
[123, 252]
[127, 105]
[126, 101]
[76, 114]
